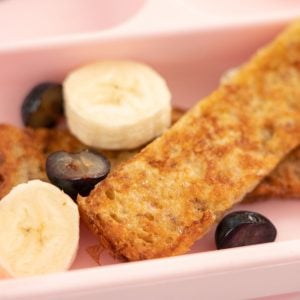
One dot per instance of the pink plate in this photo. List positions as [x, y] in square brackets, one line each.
[191, 43]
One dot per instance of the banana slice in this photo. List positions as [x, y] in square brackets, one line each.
[116, 104]
[39, 230]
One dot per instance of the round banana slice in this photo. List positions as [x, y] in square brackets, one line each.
[116, 104]
[39, 230]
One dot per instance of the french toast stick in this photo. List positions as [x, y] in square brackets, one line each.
[19, 158]
[283, 182]
[23, 152]
[162, 200]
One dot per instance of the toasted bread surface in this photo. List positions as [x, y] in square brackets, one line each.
[168, 195]
[23, 152]
[283, 182]
[20, 157]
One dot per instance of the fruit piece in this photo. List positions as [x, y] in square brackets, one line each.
[76, 173]
[39, 230]
[116, 104]
[42, 107]
[243, 228]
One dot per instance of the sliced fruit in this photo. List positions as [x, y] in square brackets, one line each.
[39, 230]
[76, 173]
[116, 104]
[43, 106]
[242, 228]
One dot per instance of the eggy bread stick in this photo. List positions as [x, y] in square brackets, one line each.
[170, 194]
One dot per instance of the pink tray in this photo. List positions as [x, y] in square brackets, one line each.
[191, 43]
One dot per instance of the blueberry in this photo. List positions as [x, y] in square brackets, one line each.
[243, 228]
[76, 173]
[43, 106]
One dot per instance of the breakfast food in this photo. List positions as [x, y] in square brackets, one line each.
[170, 194]
[23, 152]
[39, 230]
[242, 228]
[76, 173]
[43, 106]
[283, 182]
[116, 104]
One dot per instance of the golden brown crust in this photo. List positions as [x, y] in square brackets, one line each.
[283, 182]
[169, 194]
[23, 152]
[19, 157]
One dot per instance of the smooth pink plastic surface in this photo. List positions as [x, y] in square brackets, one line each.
[34, 19]
[191, 49]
